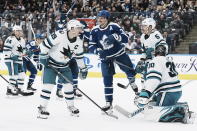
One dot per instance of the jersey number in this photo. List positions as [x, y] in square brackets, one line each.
[172, 72]
[157, 36]
[53, 36]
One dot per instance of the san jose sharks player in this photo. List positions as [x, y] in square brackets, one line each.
[56, 54]
[14, 51]
[32, 50]
[163, 88]
[108, 40]
[73, 63]
[150, 38]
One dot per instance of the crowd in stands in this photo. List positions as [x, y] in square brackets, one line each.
[175, 18]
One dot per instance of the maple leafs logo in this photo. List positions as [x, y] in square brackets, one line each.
[66, 52]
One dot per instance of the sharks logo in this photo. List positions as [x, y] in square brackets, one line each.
[66, 52]
[20, 49]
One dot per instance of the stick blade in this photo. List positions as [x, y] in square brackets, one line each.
[122, 111]
[121, 86]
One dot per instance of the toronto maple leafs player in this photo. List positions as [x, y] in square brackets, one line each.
[149, 39]
[163, 88]
[14, 51]
[108, 40]
[32, 50]
[55, 55]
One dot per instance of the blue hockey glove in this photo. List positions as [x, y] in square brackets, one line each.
[83, 73]
[143, 99]
[140, 67]
[101, 54]
[14, 57]
[40, 66]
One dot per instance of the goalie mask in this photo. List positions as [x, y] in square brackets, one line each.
[161, 50]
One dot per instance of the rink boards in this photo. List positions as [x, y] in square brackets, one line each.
[186, 66]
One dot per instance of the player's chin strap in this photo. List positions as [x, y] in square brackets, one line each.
[66, 79]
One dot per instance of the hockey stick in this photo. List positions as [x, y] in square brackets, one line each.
[130, 81]
[65, 78]
[4, 78]
[71, 8]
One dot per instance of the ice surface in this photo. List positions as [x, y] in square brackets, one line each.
[20, 114]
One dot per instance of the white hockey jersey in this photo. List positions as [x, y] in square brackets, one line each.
[151, 42]
[161, 76]
[14, 46]
[60, 50]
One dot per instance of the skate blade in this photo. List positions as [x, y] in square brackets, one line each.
[42, 117]
[12, 96]
[78, 98]
[74, 115]
[59, 98]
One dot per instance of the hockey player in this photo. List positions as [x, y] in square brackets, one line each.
[55, 55]
[32, 49]
[108, 41]
[149, 39]
[73, 65]
[163, 88]
[14, 51]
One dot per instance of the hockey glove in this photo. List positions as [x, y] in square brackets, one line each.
[14, 57]
[83, 73]
[39, 66]
[140, 67]
[143, 99]
[102, 55]
[149, 53]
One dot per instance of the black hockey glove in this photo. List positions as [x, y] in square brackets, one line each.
[14, 57]
[83, 73]
[140, 67]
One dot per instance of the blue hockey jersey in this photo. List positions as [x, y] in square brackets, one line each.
[32, 50]
[98, 37]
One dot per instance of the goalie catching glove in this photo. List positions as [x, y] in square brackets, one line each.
[83, 73]
[142, 99]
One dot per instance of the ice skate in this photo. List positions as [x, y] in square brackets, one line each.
[77, 94]
[74, 111]
[25, 93]
[134, 87]
[108, 108]
[189, 117]
[59, 94]
[42, 113]
[12, 92]
[30, 88]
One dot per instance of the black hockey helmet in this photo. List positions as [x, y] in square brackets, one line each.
[161, 50]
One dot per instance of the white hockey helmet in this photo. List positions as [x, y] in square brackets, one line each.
[16, 28]
[74, 24]
[149, 22]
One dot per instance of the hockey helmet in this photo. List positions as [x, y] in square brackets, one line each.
[16, 28]
[104, 13]
[149, 22]
[74, 24]
[161, 50]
